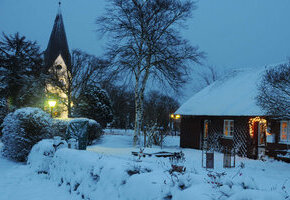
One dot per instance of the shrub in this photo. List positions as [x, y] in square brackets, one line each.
[22, 129]
[3, 111]
[59, 127]
[155, 135]
[94, 129]
[42, 153]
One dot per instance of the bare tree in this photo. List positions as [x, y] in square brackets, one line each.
[274, 91]
[146, 44]
[209, 74]
[157, 109]
[84, 69]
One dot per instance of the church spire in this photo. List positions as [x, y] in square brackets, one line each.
[57, 44]
[59, 7]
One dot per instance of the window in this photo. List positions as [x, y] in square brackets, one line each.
[59, 67]
[205, 129]
[228, 128]
[285, 131]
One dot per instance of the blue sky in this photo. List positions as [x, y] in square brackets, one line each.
[233, 33]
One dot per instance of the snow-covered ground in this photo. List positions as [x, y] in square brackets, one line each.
[108, 170]
[19, 182]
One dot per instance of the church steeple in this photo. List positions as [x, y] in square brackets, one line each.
[57, 44]
[58, 64]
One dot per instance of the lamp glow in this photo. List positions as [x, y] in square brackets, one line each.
[51, 103]
[175, 116]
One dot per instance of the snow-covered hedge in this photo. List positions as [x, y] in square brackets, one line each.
[89, 175]
[22, 129]
[3, 111]
[40, 156]
[42, 153]
[59, 127]
[94, 128]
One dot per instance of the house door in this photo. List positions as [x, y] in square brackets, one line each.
[260, 138]
[262, 134]
[259, 130]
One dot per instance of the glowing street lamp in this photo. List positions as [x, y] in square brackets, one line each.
[51, 104]
[174, 117]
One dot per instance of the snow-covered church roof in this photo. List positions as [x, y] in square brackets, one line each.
[234, 95]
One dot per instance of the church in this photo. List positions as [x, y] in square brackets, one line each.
[57, 60]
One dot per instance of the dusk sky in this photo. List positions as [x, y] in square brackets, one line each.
[233, 33]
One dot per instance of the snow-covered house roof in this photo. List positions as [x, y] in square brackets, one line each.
[234, 95]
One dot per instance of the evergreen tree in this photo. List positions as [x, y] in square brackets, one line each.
[22, 78]
[93, 103]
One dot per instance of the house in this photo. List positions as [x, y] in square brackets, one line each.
[226, 114]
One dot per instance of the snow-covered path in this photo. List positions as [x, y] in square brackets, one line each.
[18, 182]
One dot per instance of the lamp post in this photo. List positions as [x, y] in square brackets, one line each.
[175, 117]
[51, 104]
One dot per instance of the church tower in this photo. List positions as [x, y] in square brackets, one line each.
[58, 64]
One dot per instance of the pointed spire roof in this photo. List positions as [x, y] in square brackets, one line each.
[57, 44]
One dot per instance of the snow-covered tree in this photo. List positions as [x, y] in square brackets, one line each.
[22, 78]
[22, 129]
[274, 91]
[93, 103]
[146, 43]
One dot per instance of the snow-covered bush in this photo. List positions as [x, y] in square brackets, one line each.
[59, 127]
[22, 129]
[94, 129]
[40, 156]
[87, 175]
[42, 153]
[3, 111]
[155, 135]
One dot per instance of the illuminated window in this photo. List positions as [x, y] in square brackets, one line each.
[284, 131]
[205, 130]
[228, 128]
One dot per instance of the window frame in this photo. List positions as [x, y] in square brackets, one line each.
[205, 129]
[231, 128]
[287, 140]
